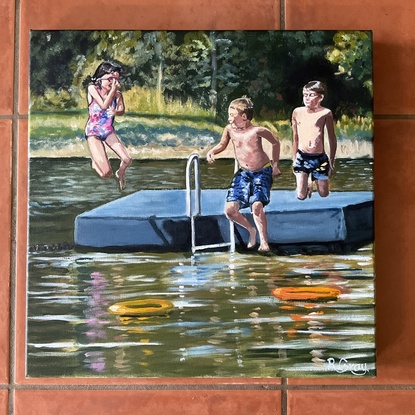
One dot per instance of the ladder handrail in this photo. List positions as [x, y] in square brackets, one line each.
[193, 160]
[193, 211]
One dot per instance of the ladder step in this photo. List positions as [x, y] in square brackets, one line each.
[220, 245]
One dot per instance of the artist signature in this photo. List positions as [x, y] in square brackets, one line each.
[343, 366]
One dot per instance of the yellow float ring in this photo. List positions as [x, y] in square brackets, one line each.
[306, 293]
[142, 308]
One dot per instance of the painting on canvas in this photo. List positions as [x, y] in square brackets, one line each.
[201, 204]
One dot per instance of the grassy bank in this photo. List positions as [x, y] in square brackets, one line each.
[177, 135]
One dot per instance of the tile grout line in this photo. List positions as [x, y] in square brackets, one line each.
[13, 258]
[282, 14]
[284, 387]
[394, 116]
[284, 396]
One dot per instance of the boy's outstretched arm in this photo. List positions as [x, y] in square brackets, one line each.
[274, 140]
[221, 146]
[276, 158]
[295, 135]
[332, 139]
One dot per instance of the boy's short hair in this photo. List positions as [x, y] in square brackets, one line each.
[243, 105]
[316, 86]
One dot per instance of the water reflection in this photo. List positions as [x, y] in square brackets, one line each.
[225, 321]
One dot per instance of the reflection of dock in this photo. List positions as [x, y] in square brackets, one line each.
[158, 220]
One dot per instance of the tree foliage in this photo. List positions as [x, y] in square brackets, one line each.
[209, 68]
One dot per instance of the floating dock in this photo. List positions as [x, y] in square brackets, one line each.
[159, 220]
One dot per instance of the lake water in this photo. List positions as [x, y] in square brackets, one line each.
[225, 321]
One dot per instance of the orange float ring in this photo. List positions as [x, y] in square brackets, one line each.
[306, 293]
[142, 308]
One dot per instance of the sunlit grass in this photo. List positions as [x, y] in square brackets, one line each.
[157, 127]
[355, 128]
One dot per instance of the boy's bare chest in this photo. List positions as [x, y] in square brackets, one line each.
[245, 138]
[310, 119]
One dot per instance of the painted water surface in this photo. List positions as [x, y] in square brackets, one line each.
[225, 321]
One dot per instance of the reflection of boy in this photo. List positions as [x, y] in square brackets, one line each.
[310, 159]
[251, 185]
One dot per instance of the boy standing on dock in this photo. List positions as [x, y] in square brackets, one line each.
[309, 158]
[252, 183]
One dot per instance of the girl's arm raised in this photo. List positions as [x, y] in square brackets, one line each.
[104, 103]
[120, 108]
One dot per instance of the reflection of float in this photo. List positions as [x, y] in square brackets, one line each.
[142, 308]
[306, 293]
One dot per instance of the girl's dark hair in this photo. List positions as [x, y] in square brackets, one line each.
[103, 68]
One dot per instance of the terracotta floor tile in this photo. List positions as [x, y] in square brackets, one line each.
[201, 402]
[151, 15]
[5, 244]
[4, 402]
[351, 402]
[394, 236]
[133, 15]
[393, 33]
[7, 55]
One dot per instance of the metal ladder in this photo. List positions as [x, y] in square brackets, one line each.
[193, 206]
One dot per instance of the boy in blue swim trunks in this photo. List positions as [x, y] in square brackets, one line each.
[251, 185]
[310, 159]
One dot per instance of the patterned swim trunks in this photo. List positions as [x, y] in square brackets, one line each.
[315, 164]
[248, 187]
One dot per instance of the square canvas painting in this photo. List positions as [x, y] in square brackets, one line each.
[200, 204]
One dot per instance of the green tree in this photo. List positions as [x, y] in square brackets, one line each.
[352, 53]
[51, 73]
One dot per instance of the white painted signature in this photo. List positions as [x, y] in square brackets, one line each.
[343, 366]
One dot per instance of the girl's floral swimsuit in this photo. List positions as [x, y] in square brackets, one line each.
[100, 123]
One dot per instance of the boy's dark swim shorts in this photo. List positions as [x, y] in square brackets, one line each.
[248, 187]
[315, 164]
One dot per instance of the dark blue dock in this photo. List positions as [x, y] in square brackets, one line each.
[157, 220]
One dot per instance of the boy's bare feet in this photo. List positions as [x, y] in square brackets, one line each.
[264, 247]
[121, 179]
[252, 238]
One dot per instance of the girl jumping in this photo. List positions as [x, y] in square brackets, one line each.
[105, 101]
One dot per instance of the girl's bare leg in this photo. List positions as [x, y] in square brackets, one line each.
[232, 212]
[100, 162]
[262, 225]
[118, 147]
